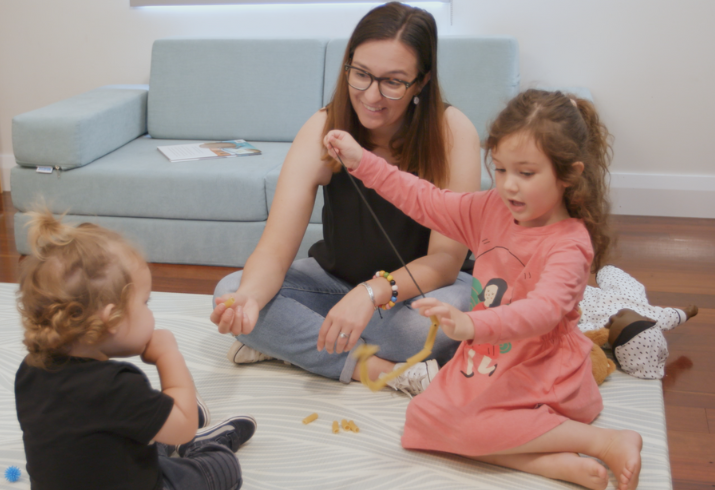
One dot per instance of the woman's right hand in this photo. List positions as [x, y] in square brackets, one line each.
[349, 317]
[237, 319]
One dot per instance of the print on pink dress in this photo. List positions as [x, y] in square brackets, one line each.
[491, 296]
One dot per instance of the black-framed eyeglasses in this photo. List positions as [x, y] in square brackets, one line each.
[390, 88]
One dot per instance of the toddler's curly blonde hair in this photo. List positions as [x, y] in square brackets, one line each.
[70, 276]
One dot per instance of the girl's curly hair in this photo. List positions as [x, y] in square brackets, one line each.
[70, 276]
[568, 130]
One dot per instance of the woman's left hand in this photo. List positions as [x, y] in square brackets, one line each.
[345, 322]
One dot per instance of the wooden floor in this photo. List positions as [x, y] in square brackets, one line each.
[673, 257]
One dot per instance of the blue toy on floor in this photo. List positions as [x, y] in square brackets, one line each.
[12, 474]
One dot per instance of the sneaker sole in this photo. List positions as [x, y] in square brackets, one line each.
[223, 427]
[234, 350]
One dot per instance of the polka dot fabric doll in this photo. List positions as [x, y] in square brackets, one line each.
[636, 327]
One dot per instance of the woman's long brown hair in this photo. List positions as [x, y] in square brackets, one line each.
[419, 146]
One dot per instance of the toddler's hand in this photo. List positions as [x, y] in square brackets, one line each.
[341, 143]
[456, 324]
[161, 342]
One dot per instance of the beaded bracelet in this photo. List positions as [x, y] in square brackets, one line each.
[393, 285]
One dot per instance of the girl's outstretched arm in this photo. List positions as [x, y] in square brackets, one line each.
[553, 296]
[453, 214]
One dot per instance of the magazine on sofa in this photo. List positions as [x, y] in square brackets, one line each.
[209, 150]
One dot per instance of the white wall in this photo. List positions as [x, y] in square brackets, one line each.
[648, 64]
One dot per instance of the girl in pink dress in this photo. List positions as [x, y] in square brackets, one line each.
[536, 237]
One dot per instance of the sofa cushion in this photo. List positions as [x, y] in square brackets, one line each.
[138, 181]
[176, 241]
[76, 131]
[479, 75]
[216, 89]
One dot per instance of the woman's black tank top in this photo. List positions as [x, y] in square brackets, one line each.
[353, 247]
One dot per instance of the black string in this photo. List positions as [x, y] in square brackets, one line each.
[352, 179]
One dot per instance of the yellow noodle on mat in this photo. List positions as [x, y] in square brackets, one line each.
[363, 352]
[336, 427]
[310, 418]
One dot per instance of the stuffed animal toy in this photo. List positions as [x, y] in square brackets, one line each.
[601, 365]
[635, 327]
[638, 343]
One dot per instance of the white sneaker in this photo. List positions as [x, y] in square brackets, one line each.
[240, 353]
[416, 379]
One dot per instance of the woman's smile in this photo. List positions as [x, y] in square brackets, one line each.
[372, 109]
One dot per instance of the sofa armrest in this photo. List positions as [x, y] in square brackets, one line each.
[76, 131]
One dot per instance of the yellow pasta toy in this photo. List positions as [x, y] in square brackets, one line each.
[352, 427]
[336, 427]
[364, 352]
[310, 418]
[229, 302]
[344, 424]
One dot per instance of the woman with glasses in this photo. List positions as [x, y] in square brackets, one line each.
[312, 312]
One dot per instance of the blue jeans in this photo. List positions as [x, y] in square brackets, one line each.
[288, 325]
[204, 466]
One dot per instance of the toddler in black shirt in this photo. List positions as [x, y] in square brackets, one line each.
[89, 421]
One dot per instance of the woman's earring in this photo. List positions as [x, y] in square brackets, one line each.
[416, 100]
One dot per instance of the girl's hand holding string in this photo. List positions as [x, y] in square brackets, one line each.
[345, 322]
[239, 317]
[456, 324]
[340, 143]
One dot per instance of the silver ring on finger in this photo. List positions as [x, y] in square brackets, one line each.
[342, 335]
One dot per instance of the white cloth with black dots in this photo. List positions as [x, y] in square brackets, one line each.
[644, 355]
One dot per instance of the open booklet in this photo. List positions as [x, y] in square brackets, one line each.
[210, 150]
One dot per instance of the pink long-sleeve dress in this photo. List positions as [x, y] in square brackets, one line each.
[528, 369]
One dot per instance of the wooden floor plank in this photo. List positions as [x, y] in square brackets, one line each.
[687, 419]
[692, 456]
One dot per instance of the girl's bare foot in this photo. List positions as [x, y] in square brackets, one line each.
[583, 471]
[569, 467]
[623, 456]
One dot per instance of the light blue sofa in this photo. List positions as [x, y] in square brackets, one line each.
[107, 170]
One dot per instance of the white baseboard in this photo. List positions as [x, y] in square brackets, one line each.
[683, 196]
